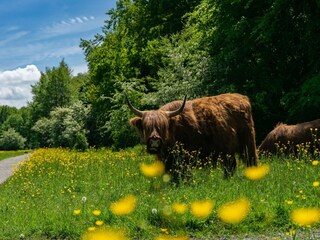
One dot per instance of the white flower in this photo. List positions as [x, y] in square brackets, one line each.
[84, 199]
[154, 210]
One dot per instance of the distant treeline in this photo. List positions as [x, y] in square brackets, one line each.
[160, 50]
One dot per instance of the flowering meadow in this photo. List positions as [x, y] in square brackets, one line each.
[103, 194]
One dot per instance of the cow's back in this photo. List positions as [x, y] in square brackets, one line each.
[213, 122]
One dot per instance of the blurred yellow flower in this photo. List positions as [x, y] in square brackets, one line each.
[305, 216]
[91, 229]
[201, 209]
[124, 206]
[289, 202]
[105, 234]
[256, 173]
[76, 211]
[234, 212]
[180, 207]
[99, 222]
[316, 184]
[155, 169]
[96, 212]
[315, 162]
[164, 230]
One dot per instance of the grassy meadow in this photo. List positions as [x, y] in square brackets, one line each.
[9, 154]
[64, 194]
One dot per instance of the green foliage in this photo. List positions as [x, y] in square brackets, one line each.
[65, 127]
[11, 140]
[53, 90]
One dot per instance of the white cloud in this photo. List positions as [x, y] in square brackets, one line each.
[13, 37]
[16, 84]
[72, 25]
[20, 75]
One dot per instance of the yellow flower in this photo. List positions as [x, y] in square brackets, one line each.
[99, 222]
[155, 169]
[316, 184]
[305, 216]
[104, 234]
[96, 212]
[256, 173]
[234, 212]
[289, 202]
[164, 230]
[201, 209]
[91, 229]
[179, 207]
[124, 206]
[315, 162]
[76, 211]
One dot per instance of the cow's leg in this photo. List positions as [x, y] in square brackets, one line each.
[229, 164]
[248, 147]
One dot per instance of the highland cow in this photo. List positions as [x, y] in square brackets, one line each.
[218, 127]
[289, 138]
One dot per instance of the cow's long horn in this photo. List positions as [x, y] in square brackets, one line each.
[178, 111]
[133, 109]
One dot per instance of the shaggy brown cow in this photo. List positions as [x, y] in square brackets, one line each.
[217, 126]
[286, 137]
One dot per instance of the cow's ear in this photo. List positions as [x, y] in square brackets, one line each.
[137, 123]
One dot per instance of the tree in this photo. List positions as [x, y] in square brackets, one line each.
[53, 90]
[65, 127]
[118, 58]
[11, 140]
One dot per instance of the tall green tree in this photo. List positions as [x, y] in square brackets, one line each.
[53, 90]
[118, 59]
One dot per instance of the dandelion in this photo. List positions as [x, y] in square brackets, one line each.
[155, 169]
[256, 173]
[289, 202]
[234, 212]
[305, 216]
[103, 234]
[201, 209]
[316, 184]
[96, 212]
[124, 206]
[91, 229]
[164, 230]
[315, 162]
[154, 211]
[76, 211]
[179, 208]
[99, 222]
[166, 178]
[84, 199]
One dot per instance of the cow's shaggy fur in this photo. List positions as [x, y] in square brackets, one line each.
[287, 138]
[218, 127]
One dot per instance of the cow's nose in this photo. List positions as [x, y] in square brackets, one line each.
[154, 142]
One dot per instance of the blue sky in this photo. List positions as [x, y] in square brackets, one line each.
[36, 34]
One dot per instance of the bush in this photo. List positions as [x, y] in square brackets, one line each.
[11, 140]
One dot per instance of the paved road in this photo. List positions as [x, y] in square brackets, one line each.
[7, 165]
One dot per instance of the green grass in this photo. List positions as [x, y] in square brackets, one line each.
[9, 154]
[39, 200]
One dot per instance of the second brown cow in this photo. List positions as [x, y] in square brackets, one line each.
[218, 127]
[287, 138]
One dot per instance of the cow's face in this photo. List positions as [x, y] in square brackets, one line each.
[154, 128]
[153, 125]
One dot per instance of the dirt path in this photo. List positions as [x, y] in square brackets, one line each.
[7, 165]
